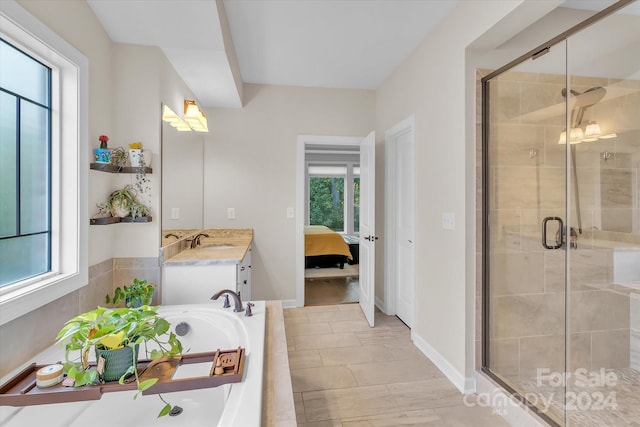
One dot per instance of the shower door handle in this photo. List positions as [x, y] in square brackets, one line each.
[559, 236]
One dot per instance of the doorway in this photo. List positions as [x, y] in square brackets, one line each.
[324, 164]
[332, 205]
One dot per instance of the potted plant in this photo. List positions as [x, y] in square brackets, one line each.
[123, 203]
[102, 154]
[120, 201]
[137, 294]
[115, 334]
[119, 157]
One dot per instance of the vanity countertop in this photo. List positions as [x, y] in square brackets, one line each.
[223, 246]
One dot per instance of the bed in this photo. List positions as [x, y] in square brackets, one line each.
[324, 247]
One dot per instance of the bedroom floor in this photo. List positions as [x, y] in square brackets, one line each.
[327, 286]
[346, 374]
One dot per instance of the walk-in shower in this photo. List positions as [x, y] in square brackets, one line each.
[561, 224]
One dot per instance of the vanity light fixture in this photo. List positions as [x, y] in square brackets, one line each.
[592, 132]
[169, 116]
[194, 116]
[575, 136]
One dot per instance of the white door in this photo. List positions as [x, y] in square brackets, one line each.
[367, 226]
[405, 227]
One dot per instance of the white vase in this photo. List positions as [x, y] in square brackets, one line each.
[119, 210]
[137, 156]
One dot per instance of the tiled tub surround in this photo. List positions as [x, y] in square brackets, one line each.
[42, 325]
[528, 295]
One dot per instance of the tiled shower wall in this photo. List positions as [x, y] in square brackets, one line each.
[42, 325]
[527, 183]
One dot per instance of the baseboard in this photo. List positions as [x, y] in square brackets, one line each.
[465, 385]
[288, 303]
[381, 305]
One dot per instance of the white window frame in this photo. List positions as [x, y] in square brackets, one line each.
[69, 163]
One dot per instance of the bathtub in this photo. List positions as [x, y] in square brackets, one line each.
[211, 327]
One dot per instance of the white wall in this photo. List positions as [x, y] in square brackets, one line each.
[76, 23]
[127, 84]
[431, 85]
[250, 165]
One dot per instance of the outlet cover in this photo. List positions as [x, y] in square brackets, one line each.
[175, 213]
[231, 213]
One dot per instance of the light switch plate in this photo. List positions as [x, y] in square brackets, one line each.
[448, 221]
[231, 213]
[175, 213]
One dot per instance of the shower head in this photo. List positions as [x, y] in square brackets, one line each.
[590, 97]
[587, 98]
[583, 101]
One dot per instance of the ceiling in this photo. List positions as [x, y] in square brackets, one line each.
[351, 44]
[216, 45]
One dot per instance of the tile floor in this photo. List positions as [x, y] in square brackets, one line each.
[326, 291]
[346, 374]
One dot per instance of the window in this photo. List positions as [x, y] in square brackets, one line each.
[25, 178]
[326, 202]
[328, 193]
[43, 164]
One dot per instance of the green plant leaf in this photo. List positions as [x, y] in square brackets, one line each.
[146, 384]
[165, 410]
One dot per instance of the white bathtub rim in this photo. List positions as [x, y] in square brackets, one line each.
[244, 405]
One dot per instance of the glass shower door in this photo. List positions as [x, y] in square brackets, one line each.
[525, 204]
[603, 305]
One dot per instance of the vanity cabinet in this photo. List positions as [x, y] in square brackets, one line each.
[196, 283]
[243, 284]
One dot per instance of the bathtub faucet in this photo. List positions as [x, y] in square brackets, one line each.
[236, 299]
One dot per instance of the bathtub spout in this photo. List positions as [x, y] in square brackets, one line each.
[236, 299]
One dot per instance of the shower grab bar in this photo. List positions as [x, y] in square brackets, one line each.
[560, 240]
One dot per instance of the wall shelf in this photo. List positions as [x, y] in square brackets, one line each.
[114, 220]
[107, 167]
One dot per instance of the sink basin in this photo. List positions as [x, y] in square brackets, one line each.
[218, 247]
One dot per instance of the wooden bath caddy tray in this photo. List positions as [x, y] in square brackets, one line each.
[21, 390]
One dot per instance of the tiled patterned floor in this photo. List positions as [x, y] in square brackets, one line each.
[345, 374]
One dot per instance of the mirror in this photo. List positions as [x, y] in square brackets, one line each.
[182, 182]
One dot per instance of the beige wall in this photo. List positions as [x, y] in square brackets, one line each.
[431, 84]
[126, 85]
[250, 165]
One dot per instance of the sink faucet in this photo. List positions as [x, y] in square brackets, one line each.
[171, 235]
[236, 299]
[196, 240]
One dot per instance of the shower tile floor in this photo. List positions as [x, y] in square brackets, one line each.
[346, 374]
[595, 406]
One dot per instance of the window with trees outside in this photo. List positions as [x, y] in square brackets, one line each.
[334, 197]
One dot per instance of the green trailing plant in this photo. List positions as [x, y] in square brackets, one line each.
[119, 157]
[139, 210]
[107, 328]
[104, 209]
[138, 293]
